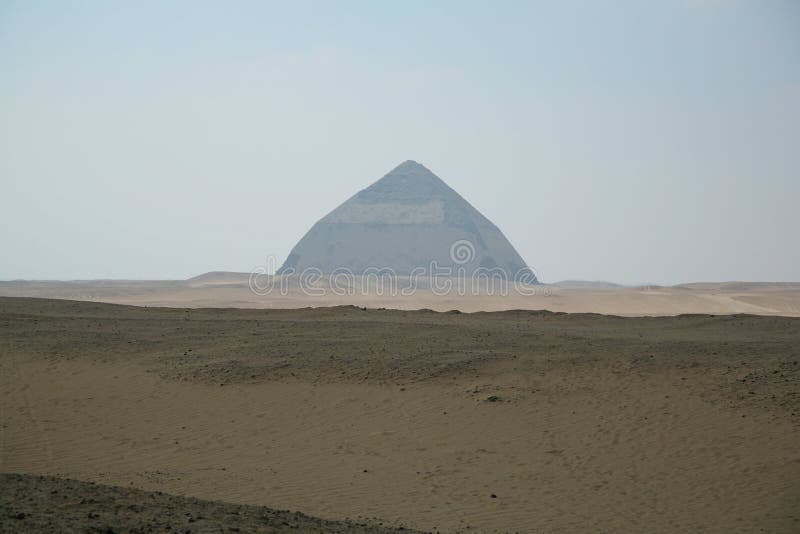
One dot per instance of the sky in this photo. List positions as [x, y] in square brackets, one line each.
[636, 142]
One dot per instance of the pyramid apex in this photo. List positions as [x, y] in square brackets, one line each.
[409, 180]
[410, 163]
[409, 166]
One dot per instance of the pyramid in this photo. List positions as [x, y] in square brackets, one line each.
[409, 219]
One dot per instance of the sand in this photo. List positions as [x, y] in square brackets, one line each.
[224, 289]
[485, 422]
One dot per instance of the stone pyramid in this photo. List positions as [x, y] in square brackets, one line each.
[409, 219]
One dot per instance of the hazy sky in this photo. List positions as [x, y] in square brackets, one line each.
[638, 142]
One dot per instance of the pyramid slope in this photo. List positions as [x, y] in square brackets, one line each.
[409, 219]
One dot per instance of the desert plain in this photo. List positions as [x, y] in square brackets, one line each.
[171, 415]
[221, 289]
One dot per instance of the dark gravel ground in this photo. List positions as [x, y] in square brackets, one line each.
[50, 504]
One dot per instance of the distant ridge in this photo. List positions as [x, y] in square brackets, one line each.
[587, 284]
[219, 278]
[409, 219]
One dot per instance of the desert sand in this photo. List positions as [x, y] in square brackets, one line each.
[486, 422]
[227, 289]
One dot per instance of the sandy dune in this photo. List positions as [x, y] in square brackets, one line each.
[514, 421]
[223, 289]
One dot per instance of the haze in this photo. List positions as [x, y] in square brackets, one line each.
[628, 141]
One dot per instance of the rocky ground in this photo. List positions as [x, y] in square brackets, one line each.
[50, 504]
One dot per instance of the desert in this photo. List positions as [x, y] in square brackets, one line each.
[386, 267]
[239, 290]
[487, 422]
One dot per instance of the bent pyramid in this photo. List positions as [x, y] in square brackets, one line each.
[407, 220]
